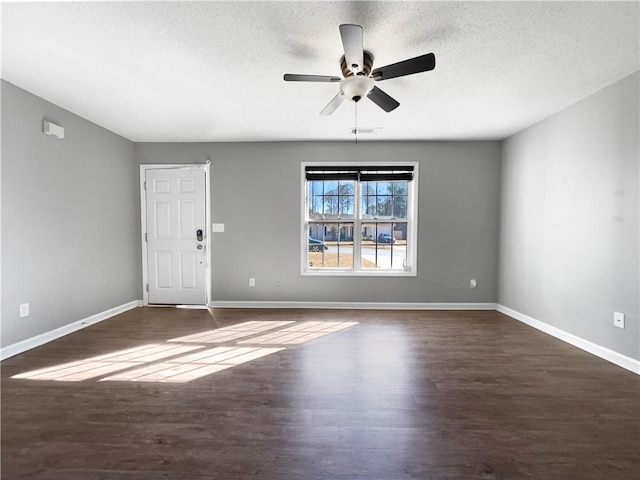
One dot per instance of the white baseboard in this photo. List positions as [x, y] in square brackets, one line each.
[33, 342]
[357, 305]
[623, 361]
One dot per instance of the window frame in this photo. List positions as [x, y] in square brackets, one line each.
[410, 270]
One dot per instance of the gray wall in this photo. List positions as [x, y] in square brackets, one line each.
[569, 241]
[256, 193]
[70, 218]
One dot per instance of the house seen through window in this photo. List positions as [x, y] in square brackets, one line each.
[359, 219]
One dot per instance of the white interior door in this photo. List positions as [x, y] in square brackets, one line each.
[176, 235]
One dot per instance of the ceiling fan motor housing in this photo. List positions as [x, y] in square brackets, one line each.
[357, 87]
[365, 69]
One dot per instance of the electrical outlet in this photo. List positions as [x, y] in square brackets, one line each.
[618, 319]
[252, 282]
[24, 310]
[473, 283]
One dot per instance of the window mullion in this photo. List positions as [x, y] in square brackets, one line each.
[357, 228]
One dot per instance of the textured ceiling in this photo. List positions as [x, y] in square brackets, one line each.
[212, 71]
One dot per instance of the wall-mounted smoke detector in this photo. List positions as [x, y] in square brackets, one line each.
[52, 129]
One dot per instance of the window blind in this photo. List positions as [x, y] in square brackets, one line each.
[331, 172]
[369, 173]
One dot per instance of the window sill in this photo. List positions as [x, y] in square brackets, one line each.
[357, 273]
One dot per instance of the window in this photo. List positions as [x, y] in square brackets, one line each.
[359, 219]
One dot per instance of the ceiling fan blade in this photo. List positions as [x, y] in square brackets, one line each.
[423, 63]
[352, 44]
[292, 77]
[333, 104]
[383, 100]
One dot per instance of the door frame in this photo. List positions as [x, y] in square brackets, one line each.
[143, 222]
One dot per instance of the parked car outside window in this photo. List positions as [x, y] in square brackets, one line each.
[316, 245]
[386, 238]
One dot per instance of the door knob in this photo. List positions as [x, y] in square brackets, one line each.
[200, 247]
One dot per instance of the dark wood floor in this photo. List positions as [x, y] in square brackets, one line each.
[402, 394]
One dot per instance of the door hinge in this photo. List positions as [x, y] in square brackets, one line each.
[144, 185]
[147, 286]
[146, 239]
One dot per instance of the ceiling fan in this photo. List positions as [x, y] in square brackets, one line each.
[359, 79]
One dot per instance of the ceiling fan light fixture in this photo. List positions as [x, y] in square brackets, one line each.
[356, 87]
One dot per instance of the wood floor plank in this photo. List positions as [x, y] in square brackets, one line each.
[397, 395]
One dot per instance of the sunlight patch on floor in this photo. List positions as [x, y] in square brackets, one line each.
[232, 332]
[300, 333]
[108, 363]
[189, 367]
[177, 361]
